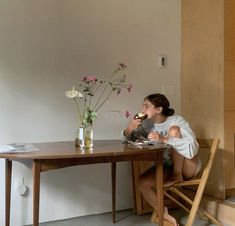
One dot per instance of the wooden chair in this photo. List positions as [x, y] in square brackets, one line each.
[177, 190]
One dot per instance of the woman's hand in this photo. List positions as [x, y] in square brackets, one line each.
[174, 132]
[157, 137]
[134, 123]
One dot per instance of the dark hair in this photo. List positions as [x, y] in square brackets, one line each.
[159, 100]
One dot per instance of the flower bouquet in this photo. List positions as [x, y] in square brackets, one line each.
[91, 97]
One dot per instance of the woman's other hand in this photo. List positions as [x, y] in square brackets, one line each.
[157, 137]
[174, 132]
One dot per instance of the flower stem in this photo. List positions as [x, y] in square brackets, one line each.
[79, 113]
[110, 92]
[102, 93]
[91, 94]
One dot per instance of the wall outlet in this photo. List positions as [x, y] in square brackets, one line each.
[20, 187]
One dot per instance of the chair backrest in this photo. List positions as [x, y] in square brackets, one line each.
[212, 145]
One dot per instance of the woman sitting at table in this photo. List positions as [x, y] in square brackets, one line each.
[181, 162]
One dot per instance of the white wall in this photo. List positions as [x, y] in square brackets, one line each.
[45, 47]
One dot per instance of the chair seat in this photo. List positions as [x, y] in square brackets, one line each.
[186, 183]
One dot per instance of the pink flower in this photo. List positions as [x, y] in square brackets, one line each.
[90, 78]
[83, 79]
[122, 66]
[129, 87]
[127, 114]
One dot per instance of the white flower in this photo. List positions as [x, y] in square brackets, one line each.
[73, 93]
[80, 95]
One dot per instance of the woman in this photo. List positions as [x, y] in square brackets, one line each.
[181, 163]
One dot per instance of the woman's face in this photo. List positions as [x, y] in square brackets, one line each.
[150, 109]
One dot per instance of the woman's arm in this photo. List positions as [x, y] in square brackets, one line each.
[136, 130]
[134, 123]
[186, 144]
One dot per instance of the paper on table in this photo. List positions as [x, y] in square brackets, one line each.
[6, 148]
[17, 148]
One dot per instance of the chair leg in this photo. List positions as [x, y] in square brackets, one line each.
[154, 216]
[182, 195]
[154, 219]
[193, 212]
[176, 201]
[194, 208]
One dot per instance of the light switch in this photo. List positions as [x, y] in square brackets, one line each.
[162, 61]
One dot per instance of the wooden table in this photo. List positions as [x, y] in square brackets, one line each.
[57, 155]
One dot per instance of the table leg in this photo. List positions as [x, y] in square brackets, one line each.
[134, 188]
[36, 192]
[114, 191]
[160, 196]
[8, 176]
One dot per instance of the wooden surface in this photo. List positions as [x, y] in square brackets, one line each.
[141, 205]
[208, 80]
[8, 176]
[57, 155]
[202, 84]
[229, 87]
[67, 149]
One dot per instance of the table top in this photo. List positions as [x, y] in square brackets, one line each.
[67, 149]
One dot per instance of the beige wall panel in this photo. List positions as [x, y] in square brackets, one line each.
[229, 17]
[229, 48]
[202, 74]
[229, 148]
[229, 85]
[202, 66]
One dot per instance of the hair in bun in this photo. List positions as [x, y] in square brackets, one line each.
[159, 100]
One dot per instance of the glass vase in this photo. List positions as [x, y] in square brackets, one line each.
[84, 137]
